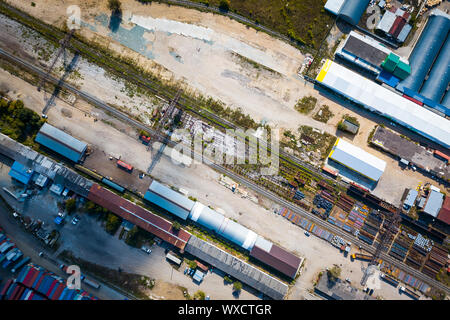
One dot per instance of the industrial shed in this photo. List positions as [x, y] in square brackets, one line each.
[384, 102]
[20, 173]
[61, 142]
[138, 216]
[237, 268]
[357, 160]
[426, 50]
[224, 227]
[444, 213]
[352, 10]
[434, 203]
[349, 10]
[436, 85]
[169, 200]
[278, 258]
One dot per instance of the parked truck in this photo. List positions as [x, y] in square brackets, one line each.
[360, 256]
[91, 283]
[389, 280]
[21, 263]
[410, 293]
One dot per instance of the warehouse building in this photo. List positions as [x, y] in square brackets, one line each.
[138, 216]
[383, 101]
[444, 213]
[61, 142]
[169, 200]
[182, 207]
[20, 173]
[434, 203]
[237, 268]
[357, 160]
[349, 10]
[430, 63]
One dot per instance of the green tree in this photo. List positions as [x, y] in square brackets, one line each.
[176, 225]
[114, 5]
[112, 223]
[71, 205]
[334, 273]
[224, 5]
[237, 286]
[199, 295]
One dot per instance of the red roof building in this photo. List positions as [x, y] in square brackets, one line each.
[139, 216]
[279, 259]
[444, 213]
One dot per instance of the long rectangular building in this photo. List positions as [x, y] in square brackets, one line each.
[357, 160]
[385, 102]
[61, 142]
[139, 216]
[237, 268]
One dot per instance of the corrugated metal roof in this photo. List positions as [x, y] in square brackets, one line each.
[169, 200]
[138, 216]
[434, 203]
[446, 99]
[352, 10]
[444, 213]
[334, 6]
[206, 217]
[279, 259]
[237, 268]
[385, 102]
[386, 22]
[20, 172]
[411, 197]
[61, 142]
[357, 159]
[404, 33]
[426, 50]
[365, 50]
[263, 243]
[439, 77]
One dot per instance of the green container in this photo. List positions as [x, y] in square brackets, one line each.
[402, 70]
[390, 62]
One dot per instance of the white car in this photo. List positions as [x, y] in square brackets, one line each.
[146, 250]
[75, 220]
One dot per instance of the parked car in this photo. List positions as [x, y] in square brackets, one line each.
[146, 250]
[191, 272]
[307, 233]
[186, 270]
[75, 220]
[348, 280]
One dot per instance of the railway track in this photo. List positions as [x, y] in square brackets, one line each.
[250, 184]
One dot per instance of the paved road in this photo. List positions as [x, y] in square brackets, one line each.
[318, 221]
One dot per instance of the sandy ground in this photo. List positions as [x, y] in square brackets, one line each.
[214, 39]
[201, 182]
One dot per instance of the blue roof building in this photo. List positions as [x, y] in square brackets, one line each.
[410, 199]
[61, 142]
[349, 10]
[169, 200]
[20, 173]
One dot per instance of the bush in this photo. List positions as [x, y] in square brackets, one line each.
[176, 225]
[237, 286]
[224, 5]
[71, 205]
[227, 279]
[306, 104]
[333, 273]
[199, 295]
[114, 5]
[112, 223]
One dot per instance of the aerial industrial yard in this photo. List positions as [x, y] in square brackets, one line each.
[198, 150]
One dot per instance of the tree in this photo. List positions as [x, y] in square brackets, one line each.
[237, 286]
[224, 5]
[114, 5]
[176, 225]
[333, 273]
[199, 295]
[71, 205]
[112, 223]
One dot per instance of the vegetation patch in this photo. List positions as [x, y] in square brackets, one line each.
[306, 104]
[324, 114]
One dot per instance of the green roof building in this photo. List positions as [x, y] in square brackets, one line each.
[390, 62]
[402, 70]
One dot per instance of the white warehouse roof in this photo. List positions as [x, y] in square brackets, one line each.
[357, 159]
[385, 102]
